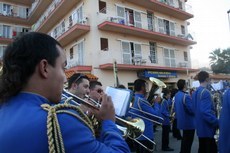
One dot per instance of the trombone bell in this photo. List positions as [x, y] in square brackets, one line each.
[134, 127]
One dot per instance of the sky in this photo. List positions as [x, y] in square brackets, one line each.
[209, 27]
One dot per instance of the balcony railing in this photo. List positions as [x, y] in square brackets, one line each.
[151, 27]
[34, 4]
[142, 61]
[60, 29]
[52, 7]
[184, 7]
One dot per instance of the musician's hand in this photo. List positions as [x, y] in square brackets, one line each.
[86, 110]
[106, 111]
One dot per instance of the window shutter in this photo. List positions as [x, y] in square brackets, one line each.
[137, 19]
[121, 14]
[80, 53]
[137, 51]
[161, 25]
[126, 52]
[172, 28]
[1, 8]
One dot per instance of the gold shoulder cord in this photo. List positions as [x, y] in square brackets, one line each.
[55, 140]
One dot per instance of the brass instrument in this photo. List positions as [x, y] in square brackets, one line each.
[156, 85]
[216, 98]
[172, 111]
[135, 127]
[218, 107]
[1, 68]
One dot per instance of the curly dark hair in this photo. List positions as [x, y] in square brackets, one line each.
[20, 59]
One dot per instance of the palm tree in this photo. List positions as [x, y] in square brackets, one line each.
[220, 60]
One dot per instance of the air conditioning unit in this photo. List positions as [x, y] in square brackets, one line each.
[182, 64]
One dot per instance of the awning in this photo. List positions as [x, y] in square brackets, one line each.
[91, 77]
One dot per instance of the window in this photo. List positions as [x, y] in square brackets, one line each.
[102, 7]
[131, 53]
[70, 21]
[180, 4]
[169, 57]
[161, 25]
[150, 18]
[185, 56]
[2, 49]
[63, 26]
[80, 51]
[6, 9]
[166, 27]
[126, 50]
[153, 52]
[121, 15]
[55, 32]
[6, 31]
[71, 53]
[182, 30]
[104, 44]
[137, 19]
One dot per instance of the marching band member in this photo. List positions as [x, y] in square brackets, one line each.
[142, 104]
[96, 90]
[165, 112]
[205, 119]
[224, 138]
[31, 119]
[185, 116]
[78, 84]
[175, 130]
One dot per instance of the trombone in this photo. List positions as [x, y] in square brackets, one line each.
[157, 119]
[135, 127]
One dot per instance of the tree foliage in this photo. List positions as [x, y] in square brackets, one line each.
[220, 61]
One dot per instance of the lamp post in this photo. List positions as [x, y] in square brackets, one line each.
[228, 18]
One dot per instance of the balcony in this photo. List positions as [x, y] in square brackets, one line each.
[163, 8]
[19, 2]
[109, 66]
[13, 18]
[72, 34]
[5, 41]
[144, 33]
[59, 11]
[143, 61]
[37, 9]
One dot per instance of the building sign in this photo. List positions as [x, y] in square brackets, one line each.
[158, 74]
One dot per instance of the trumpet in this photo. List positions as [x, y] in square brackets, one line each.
[135, 127]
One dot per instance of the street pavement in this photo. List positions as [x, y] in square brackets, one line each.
[173, 143]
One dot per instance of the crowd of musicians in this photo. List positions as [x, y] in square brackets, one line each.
[36, 116]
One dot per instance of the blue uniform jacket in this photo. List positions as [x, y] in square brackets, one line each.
[184, 111]
[24, 130]
[165, 111]
[224, 138]
[205, 119]
[142, 104]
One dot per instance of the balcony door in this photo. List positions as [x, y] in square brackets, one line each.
[169, 57]
[129, 17]
[131, 52]
[7, 31]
